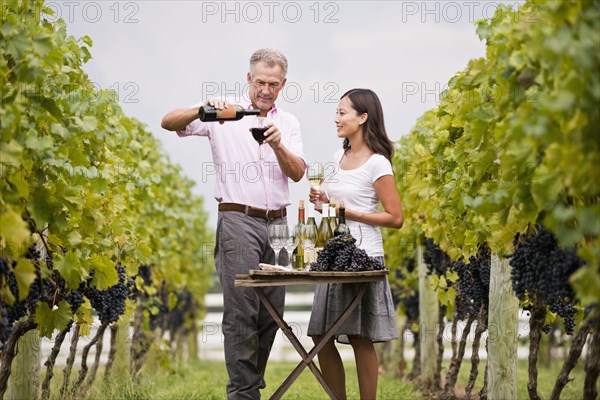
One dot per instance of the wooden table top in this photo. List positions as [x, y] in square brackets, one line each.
[257, 277]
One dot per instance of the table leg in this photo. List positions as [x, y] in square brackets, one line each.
[307, 358]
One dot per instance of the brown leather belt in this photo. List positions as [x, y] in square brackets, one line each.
[253, 211]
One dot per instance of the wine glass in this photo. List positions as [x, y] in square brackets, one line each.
[258, 133]
[356, 233]
[277, 238]
[308, 238]
[315, 174]
[291, 242]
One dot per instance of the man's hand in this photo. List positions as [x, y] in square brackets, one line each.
[219, 105]
[272, 135]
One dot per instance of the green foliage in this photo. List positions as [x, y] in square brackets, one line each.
[513, 140]
[78, 174]
[48, 319]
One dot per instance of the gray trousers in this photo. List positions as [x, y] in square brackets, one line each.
[248, 328]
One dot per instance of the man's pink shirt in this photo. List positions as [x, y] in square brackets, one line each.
[241, 176]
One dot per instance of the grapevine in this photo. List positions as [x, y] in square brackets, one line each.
[540, 268]
[88, 185]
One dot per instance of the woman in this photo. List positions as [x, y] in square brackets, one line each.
[364, 178]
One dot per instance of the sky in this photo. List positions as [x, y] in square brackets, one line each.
[161, 55]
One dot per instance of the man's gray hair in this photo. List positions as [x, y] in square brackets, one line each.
[271, 57]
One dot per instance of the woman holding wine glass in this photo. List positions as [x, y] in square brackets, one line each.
[363, 180]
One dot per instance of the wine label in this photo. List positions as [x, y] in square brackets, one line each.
[226, 113]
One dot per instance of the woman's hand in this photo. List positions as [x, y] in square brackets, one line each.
[317, 194]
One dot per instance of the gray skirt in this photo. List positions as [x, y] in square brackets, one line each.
[374, 317]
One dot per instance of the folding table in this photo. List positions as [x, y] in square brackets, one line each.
[257, 279]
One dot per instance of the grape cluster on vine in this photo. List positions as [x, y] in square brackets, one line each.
[110, 302]
[340, 254]
[541, 268]
[435, 258]
[39, 290]
[473, 282]
[410, 305]
[406, 297]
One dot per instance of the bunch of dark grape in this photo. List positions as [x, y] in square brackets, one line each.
[473, 283]
[75, 299]
[398, 280]
[110, 302]
[10, 313]
[5, 309]
[541, 268]
[184, 306]
[145, 273]
[410, 304]
[340, 254]
[435, 258]
[159, 302]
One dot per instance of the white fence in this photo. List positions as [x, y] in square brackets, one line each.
[210, 338]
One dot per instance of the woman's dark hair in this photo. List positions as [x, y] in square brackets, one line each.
[374, 133]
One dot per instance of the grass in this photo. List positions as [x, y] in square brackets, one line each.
[546, 379]
[204, 380]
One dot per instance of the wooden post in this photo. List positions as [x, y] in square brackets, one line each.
[428, 321]
[502, 333]
[193, 344]
[24, 380]
[120, 370]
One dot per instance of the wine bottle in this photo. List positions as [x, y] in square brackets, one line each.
[332, 203]
[298, 252]
[233, 112]
[310, 255]
[333, 221]
[324, 233]
[342, 228]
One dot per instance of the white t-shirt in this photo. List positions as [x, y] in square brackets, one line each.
[355, 188]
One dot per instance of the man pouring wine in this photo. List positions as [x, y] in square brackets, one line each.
[247, 207]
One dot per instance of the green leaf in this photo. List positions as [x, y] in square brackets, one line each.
[25, 275]
[88, 124]
[105, 273]
[83, 316]
[451, 295]
[74, 237]
[7, 295]
[13, 230]
[87, 40]
[172, 302]
[517, 59]
[8, 28]
[442, 283]
[39, 144]
[18, 45]
[550, 318]
[443, 297]
[586, 282]
[50, 319]
[51, 106]
[10, 153]
[44, 206]
[70, 268]
[42, 43]
[545, 188]
[452, 276]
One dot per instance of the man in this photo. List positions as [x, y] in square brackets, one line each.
[252, 192]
